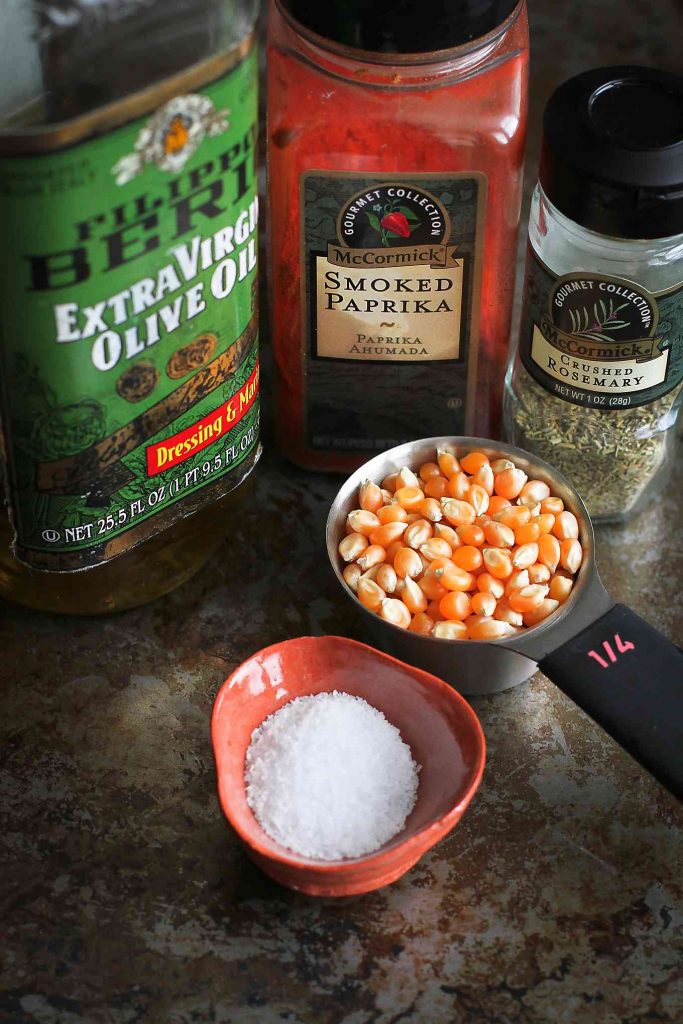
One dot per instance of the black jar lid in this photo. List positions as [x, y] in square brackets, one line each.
[400, 26]
[612, 157]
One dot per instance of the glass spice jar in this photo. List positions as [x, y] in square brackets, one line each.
[395, 149]
[595, 386]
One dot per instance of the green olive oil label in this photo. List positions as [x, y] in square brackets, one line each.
[128, 324]
[391, 268]
[601, 342]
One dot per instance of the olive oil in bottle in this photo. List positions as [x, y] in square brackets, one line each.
[128, 302]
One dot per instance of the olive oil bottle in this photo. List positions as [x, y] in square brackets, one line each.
[129, 366]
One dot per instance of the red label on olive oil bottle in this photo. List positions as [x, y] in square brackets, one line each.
[129, 352]
[391, 266]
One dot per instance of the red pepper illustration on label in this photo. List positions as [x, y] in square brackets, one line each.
[393, 220]
[398, 223]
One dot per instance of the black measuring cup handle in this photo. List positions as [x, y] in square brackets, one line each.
[629, 679]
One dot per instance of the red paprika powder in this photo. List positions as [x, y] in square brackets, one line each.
[395, 148]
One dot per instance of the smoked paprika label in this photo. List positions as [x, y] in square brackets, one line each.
[391, 266]
[128, 321]
[601, 342]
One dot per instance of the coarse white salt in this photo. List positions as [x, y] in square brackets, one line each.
[329, 777]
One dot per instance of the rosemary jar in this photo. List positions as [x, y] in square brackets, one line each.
[594, 386]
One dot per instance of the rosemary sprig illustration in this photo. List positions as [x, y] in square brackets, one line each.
[602, 320]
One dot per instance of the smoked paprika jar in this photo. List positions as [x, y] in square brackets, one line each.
[395, 149]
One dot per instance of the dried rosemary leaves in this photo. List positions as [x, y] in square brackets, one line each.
[609, 456]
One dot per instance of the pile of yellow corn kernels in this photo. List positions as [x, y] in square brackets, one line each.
[466, 549]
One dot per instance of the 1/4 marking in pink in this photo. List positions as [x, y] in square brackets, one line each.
[621, 645]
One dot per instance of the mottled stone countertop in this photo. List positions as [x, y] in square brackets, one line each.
[124, 896]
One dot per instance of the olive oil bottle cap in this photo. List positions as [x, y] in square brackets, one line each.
[399, 26]
[612, 157]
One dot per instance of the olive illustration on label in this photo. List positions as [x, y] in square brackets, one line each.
[68, 429]
[172, 135]
[191, 357]
[137, 382]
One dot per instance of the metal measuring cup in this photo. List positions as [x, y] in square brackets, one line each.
[608, 660]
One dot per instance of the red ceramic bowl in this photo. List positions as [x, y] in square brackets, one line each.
[439, 725]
